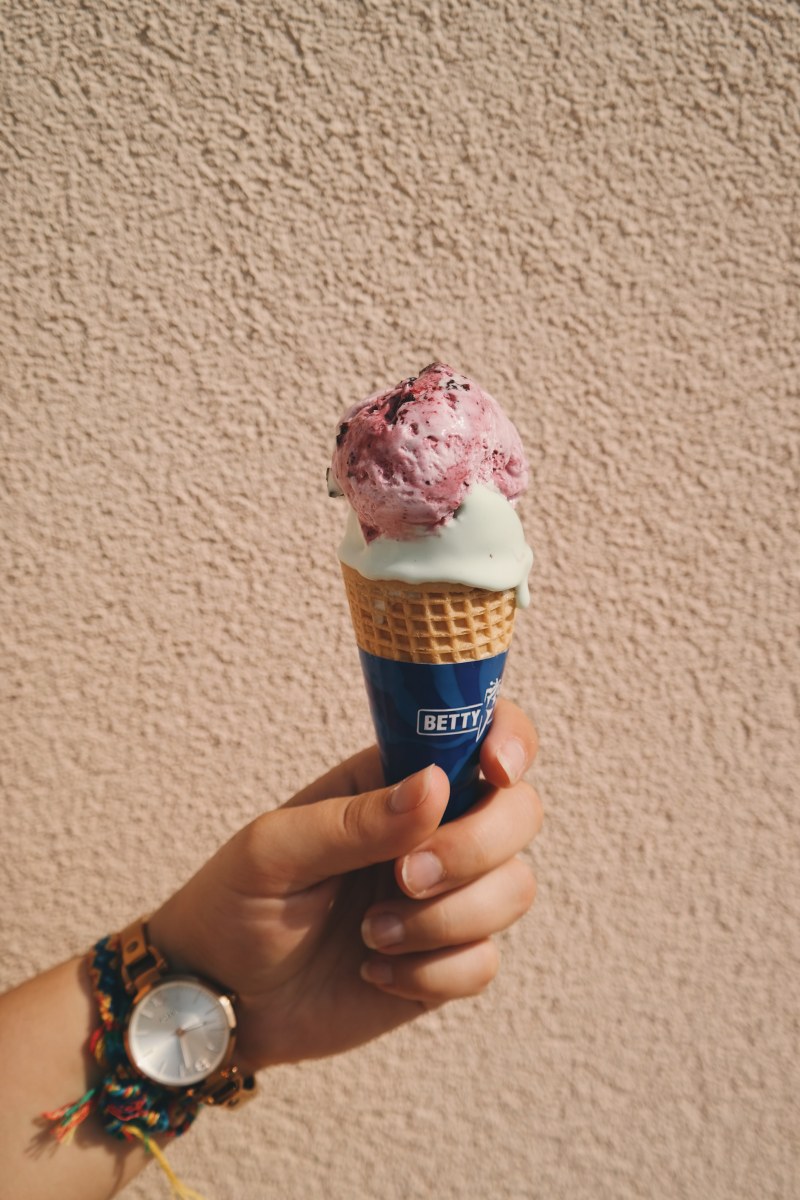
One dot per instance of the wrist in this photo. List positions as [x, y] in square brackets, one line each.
[173, 931]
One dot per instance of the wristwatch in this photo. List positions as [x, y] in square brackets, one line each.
[181, 1030]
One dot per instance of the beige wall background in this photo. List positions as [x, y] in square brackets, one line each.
[222, 223]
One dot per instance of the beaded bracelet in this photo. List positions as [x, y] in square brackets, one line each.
[128, 1106]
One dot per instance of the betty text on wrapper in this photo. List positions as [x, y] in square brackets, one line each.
[449, 722]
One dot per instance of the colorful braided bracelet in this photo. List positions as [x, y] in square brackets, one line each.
[128, 1106]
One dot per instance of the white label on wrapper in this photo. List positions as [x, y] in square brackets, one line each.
[443, 722]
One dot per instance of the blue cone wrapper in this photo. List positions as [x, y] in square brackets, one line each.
[433, 713]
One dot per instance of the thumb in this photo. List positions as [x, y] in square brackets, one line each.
[295, 848]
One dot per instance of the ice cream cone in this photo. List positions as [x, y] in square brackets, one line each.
[428, 622]
[432, 655]
[435, 564]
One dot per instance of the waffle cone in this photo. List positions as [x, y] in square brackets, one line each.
[428, 622]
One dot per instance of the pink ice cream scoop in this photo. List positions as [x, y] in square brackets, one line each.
[406, 458]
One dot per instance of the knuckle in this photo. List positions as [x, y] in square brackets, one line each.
[249, 861]
[442, 931]
[431, 925]
[478, 852]
[518, 890]
[533, 805]
[248, 846]
[353, 820]
[488, 966]
[525, 887]
[534, 742]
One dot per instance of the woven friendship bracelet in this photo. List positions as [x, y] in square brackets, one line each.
[128, 1106]
[124, 1100]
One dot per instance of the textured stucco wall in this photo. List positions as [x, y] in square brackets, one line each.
[222, 222]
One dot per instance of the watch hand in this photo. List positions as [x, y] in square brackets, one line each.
[187, 1062]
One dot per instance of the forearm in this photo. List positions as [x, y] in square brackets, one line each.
[44, 1062]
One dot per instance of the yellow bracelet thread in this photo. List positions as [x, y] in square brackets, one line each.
[179, 1189]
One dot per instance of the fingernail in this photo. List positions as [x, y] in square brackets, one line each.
[410, 793]
[377, 972]
[421, 872]
[384, 930]
[513, 759]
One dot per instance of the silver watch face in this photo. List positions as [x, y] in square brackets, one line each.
[179, 1032]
